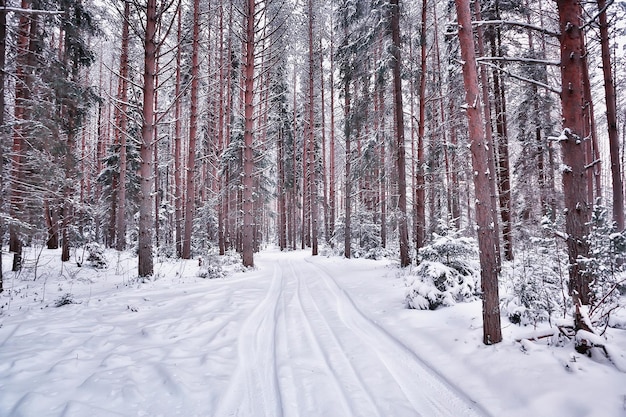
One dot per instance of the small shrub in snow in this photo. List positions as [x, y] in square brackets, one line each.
[95, 256]
[366, 241]
[447, 274]
[211, 268]
[211, 271]
[65, 299]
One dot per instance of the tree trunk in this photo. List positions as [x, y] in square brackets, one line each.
[403, 231]
[221, 182]
[312, 162]
[156, 180]
[485, 216]
[178, 169]
[324, 152]
[420, 192]
[52, 221]
[193, 131]
[146, 217]
[504, 175]
[248, 155]
[383, 166]
[574, 173]
[3, 43]
[489, 143]
[347, 252]
[611, 116]
[22, 88]
[331, 163]
[120, 242]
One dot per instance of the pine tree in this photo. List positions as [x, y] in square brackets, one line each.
[485, 216]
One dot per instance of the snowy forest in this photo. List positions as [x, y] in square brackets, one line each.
[475, 147]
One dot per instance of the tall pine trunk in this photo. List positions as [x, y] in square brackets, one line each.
[611, 117]
[489, 143]
[311, 140]
[420, 192]
[190, 194]
[347, 241]
[178, 169]
[403, 231]
[577, 207]
[3, 40]
[120, 242]
[332, 200]
[146, 217]
[483, 179]
[22, 88]
[248, 155]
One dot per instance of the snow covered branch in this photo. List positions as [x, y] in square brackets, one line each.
[555, 90]
[518, 24]
[517, 59]
[19, 10]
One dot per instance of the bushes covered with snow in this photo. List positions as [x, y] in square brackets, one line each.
[95, 255]
[534, 284]
[448, 273]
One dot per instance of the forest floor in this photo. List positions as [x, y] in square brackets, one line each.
[297, 336]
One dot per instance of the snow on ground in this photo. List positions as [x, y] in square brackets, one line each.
[296, 336]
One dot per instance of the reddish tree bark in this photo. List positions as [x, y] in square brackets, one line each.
[347, 252]
[3, 36]
[248, 156]
[146, 217]
[485, 216]
[403, 231]
[575, 173]
[420, 192]
[489, 143]
[504, 175]
[324, 152]
[611, 117]
[120, 242]
[311, 130]
[22, 88]
[221, 183]
[178, 171]
[332, 199]
[190, 195]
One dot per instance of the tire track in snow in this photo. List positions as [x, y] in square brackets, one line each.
[315, 382]
[429, 392]
[253, 389]
[359, 369]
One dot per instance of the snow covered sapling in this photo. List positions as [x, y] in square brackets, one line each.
[536, 280]
[605, 264]
[96, 255]
[210, 268]
[65, 299]
[447, 274]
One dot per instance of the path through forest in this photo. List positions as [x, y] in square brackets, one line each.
[283, 340]
[307, 350]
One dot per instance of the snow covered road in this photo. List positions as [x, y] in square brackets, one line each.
[307, 350]
[284, 340]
